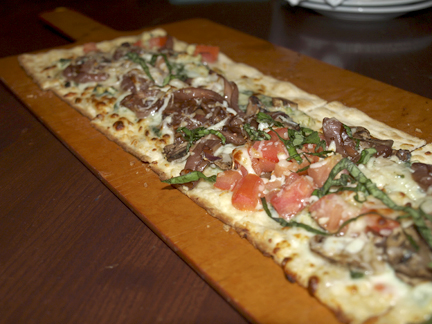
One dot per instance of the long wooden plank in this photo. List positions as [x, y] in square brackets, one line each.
[250, 281]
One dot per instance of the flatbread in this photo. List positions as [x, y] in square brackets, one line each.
[178, 79]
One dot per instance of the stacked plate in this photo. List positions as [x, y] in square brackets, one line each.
[363, 10]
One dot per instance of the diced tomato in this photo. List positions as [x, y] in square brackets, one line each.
[90, 47]
[227, 180]
[271, 185]
[209, 54]
[157, 41]
[264, 154]
[320, 171]
[138, 43]
[381, 225]
[381, 219]
[247, 192]
[332, 210]
[285, 167]
[291, 198]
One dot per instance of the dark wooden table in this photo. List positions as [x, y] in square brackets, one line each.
[70, 250]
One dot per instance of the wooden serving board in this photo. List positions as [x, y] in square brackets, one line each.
[252, 283]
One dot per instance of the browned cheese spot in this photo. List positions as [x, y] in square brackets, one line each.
[428, 153]
[70, 94]
[49, 68]
[114, 115]
[313, 285]
[147, 132]
[101, 105]
[78, 100]
[352, 289]
[118, 125]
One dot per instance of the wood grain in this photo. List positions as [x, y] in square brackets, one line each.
[248, 280]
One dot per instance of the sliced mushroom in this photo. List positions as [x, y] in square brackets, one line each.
[253, 106]
[175, 151]
[334, 131]
[411, 260]
[368, 258]
[422, 175]
[197, 93]
[383, 147]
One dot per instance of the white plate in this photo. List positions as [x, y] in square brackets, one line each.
[370, 3]
[364, 13]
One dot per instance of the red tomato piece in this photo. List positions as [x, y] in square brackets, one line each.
[331, 211]
[320, 171]
[381, 225]
[90, 47]
[292, 196]
[227, 180]
[381, 219]
[209, 54]
[247, 191]
[157, 41]
[264, 154]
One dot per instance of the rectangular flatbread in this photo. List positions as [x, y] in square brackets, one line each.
[342, 202]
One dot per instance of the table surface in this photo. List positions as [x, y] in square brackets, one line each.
[70, 250]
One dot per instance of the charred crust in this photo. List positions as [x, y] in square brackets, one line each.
[290, 277]
[70, 94]
[118, 125]
[313, 285]
[285, 261]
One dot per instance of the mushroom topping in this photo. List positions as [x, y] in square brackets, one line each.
[176, 151]
[409, 257]
[253, 107]
[334, 131]
[350, 141]
[231, 94]
[383, 147]
[84, 72]
[197, 93]
[367, 258]
[422, 175]
[144, 103]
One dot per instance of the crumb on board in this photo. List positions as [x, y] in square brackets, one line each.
[226, 228]
[418, 130]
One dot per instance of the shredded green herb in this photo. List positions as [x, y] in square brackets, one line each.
[356, 274]
[256, 135]
[190, 177]
[366, 155]
[193, 135]
[134, 57]
[366, 186]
